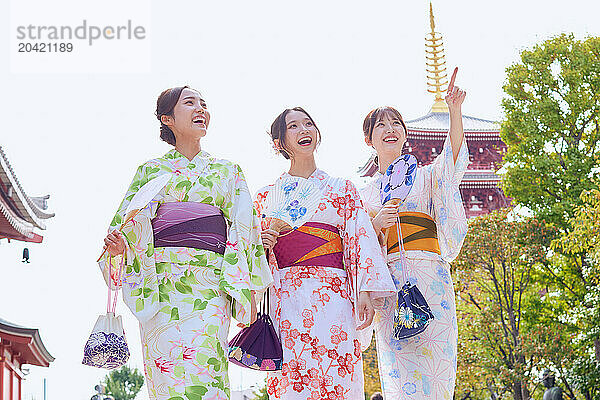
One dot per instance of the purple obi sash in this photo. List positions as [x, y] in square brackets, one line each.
[190, 224]
[312, 244]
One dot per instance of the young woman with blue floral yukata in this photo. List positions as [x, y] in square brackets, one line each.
[433, 226]
[193, 257]
[323, 274]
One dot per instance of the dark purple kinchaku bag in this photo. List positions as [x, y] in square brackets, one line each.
[258, 346]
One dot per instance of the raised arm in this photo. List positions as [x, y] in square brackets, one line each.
[454, 98]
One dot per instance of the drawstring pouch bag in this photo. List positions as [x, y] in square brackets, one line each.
[258, 346]
[107, 347]
[413, 314]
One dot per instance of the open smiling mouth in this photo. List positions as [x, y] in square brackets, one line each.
[390, 139]
[199, 120]
[306, 141]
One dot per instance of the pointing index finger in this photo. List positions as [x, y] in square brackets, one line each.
[451, 84]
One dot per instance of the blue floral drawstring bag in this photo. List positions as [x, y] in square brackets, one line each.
[413, 314]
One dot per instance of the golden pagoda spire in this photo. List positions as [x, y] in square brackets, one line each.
[436, 66]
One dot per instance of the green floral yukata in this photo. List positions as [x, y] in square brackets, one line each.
[184, 297]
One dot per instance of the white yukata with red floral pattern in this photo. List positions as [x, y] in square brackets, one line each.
[313, 307]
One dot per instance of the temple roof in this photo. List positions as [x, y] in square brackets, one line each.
[21, 211]
[25, 342]
[483, 175]
[438, 123]
[480, 178]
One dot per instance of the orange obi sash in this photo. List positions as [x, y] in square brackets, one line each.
[419, 232]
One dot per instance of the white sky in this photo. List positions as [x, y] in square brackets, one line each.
[79, 137]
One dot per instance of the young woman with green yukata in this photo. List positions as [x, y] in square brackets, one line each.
[193, 257]
[433, 226]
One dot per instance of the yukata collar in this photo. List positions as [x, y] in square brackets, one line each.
[182, 160]
[177, 155]
[374, 179]
[317, 176]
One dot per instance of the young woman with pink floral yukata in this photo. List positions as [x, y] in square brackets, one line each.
[323, 274]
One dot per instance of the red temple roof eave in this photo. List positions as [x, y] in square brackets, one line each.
[16, 236]
[30, 351]
[445, 130]
[491, 185]
[24, 203]
[21, 226]
[437, 135]
[440, 121]
[28, 342]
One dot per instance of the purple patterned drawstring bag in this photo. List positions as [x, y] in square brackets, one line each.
[107, 347]
[258, 346]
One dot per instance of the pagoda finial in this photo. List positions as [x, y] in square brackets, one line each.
[431, 20]
[436, 65]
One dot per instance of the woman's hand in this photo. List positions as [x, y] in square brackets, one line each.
[454, 99]
[386, 217]
[455, 95]
[114, 243]
[365, 310]
[269, 238]
[378, 303]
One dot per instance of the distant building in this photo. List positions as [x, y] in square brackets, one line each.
[480, 186]
[18, 346]
[21, 215]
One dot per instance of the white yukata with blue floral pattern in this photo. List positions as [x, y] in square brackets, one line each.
[424, 366]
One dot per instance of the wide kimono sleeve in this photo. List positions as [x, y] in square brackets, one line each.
[275, 290]
[363, 259]
[139, 278]
[448, 210]
[244, 268]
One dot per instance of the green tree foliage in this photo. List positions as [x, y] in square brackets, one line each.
[584, 238]
[124, 383]
[529, 289]
[584, 235]
[552, 126]
[262, 394]
[552, 130]
[501, 344]
[371, 370]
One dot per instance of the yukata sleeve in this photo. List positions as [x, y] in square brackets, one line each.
[275, 289]
[244, 268]
[365, 265]
[139, 280]
[369, 200]
[448, 210]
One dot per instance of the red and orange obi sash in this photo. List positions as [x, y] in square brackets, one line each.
[419, 232]
[312, 244]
